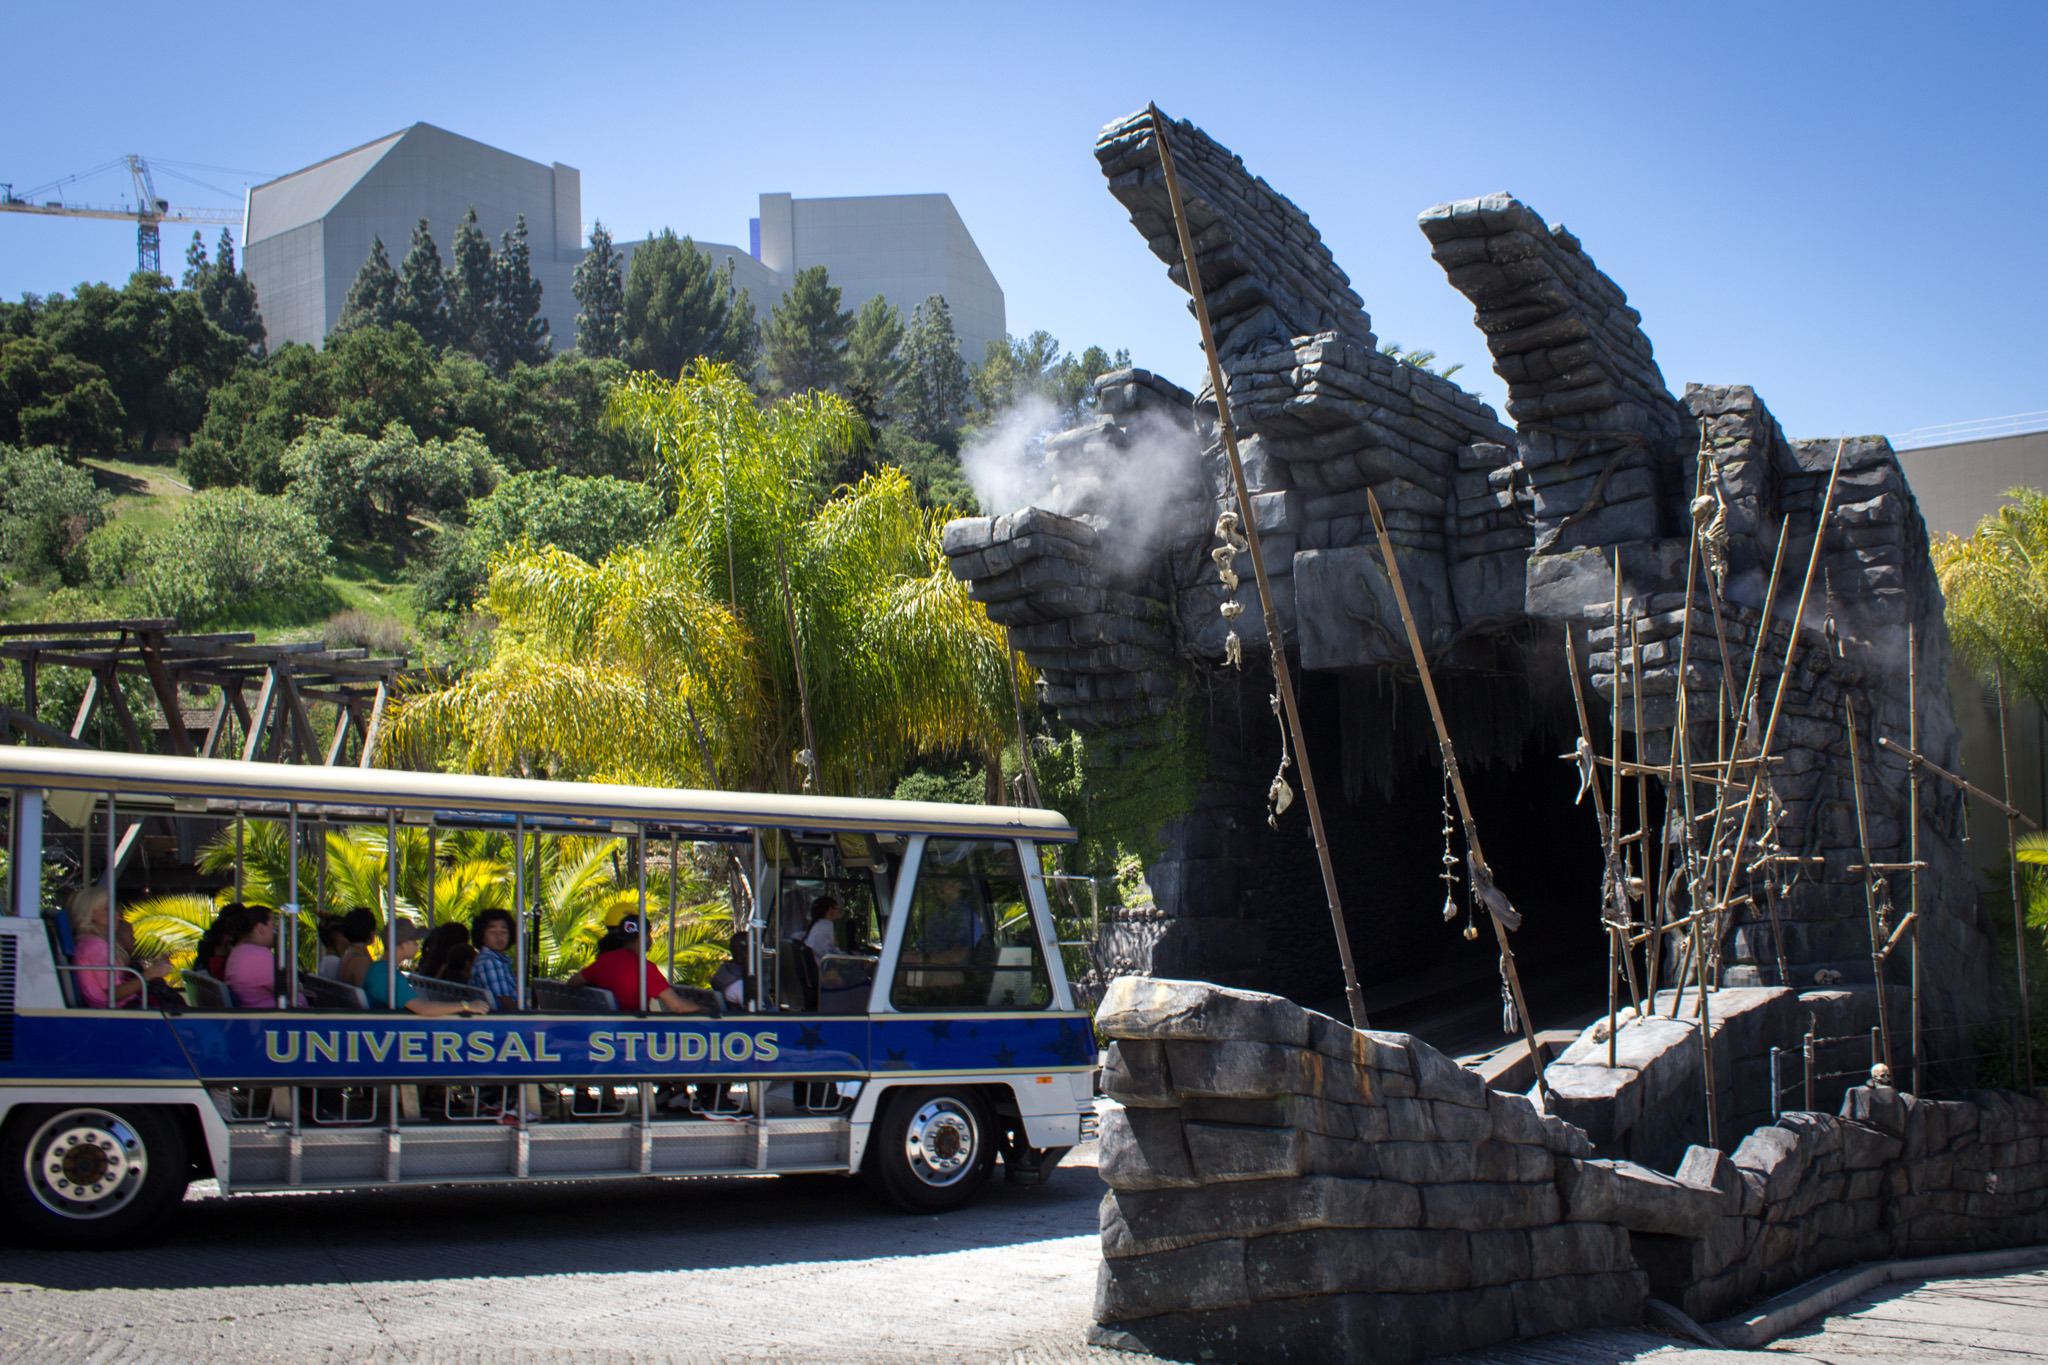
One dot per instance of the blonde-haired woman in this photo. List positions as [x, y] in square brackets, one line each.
[88, 913]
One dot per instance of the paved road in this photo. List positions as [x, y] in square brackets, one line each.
[727, 1270]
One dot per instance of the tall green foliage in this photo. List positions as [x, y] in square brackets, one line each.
[47, 509]
[600, 290]
[351, 484]
[373, 296]
[224, 549]
[1014, 368]
[50, 398]
[472, 283]
[421, 302]
[518, 333]
[679, 308]
[588, 518]
[1996, 583]
[874, 361]
[673, 663]
[225, 294]
[806, 338]
[934, 389]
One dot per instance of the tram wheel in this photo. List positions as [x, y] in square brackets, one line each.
[87, 1176]
[930, 1149]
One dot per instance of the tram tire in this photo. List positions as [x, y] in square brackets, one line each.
[931, 1149]
[144, 1150]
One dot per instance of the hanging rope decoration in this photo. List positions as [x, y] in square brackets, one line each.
[1234, 543]
[1510, 1022]
[1450, 873]
[808, 761]
[1279, 796]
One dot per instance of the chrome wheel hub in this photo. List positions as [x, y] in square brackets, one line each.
[86, 1163]
[942, 1142]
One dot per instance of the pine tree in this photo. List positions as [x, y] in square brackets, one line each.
[874, 363]
[229, 299]
[679, 308]
[472, 280]
[935, 377]
[806, 340]
[600, 288]
[519, 334]
[422, 299]
[372, 298]
[197, 268]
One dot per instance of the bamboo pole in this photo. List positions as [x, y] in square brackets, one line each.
[1870, 884]
[1913, 838]
[2012, 853]
[1023, 740]
[1482, 875]
[1650, 862]
[1282, 675]
[2010, 811]
[815, 774]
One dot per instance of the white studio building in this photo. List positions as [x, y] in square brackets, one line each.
[307, 234]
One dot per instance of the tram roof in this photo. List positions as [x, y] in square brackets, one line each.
[224, 785]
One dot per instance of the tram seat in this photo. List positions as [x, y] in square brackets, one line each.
[707, 1002]
[208, 993]
[845, 982]
[433, 988]
[553, 997]
[796, 976]
[324, 993]
[64, 949]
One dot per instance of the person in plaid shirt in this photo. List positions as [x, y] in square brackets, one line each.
[491, 932]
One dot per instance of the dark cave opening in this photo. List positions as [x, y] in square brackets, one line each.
[1374, 754]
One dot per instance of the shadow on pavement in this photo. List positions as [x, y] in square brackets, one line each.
[556, 1229]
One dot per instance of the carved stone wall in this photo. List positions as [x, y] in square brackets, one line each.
[1506, 535]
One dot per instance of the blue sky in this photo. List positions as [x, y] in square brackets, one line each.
[1840, 204]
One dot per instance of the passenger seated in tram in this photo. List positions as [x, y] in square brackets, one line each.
[822, 938]
[441, 942]
[88, 912]
[378, 982]
[730, 980]
[613, 969]
[251, 970]
[358, 927]
[230, 924]
[332, 945]
[490, 933]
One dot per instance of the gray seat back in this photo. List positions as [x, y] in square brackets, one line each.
[324, 993]
[553, 997]
[433, 988]
[207, 992]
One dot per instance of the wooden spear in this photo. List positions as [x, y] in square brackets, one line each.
[1275, 640]
[1498, 911]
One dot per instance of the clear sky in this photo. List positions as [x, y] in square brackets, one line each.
[1841, 204]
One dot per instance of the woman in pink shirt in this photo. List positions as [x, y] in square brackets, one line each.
[88, 912]
[251, 973]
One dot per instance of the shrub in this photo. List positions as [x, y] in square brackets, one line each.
[226, 549]
[349, 483]
[353, 629]
[110, 554]
[589, 518]
[47, 509]
[48, 397]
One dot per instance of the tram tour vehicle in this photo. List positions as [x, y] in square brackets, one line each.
[935, 1035]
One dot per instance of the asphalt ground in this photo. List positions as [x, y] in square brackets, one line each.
[807, 1268]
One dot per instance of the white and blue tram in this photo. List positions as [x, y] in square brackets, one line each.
[921, 1069]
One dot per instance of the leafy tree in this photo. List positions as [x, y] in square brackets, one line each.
[50, 398]
[672, 661]
[600, 289]
[421, 302]
[680, 309]
[225, 294]
[807, 336]
[348, 482]
[1013, 369]
[472, 284]
[932, 468]
[152, 342]
[588, 518]
[373, 297]
[1420, 359]
[1996, 583]
[519, 334]
[225, 549]
[874, 360]
[934, 391]
[47, 508]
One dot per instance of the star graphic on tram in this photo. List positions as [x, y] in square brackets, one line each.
[1070, 1046]
[940, 1029]
[1005, 1055]
[895, 1062]
[809, 1039]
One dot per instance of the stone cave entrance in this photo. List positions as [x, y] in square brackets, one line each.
[1376, 767]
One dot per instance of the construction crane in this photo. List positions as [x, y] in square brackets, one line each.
[149, 210]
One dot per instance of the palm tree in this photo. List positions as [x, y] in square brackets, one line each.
[1996, 583]
[766, 619]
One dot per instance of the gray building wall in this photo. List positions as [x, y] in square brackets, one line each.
[1959, 483]
[310, 232]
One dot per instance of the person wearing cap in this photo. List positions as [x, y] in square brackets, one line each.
[379, 980]
[613, 969]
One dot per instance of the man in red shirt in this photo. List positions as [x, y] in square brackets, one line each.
[613, 970]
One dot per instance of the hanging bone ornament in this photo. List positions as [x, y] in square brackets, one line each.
[1584, 757]
[1233, 650]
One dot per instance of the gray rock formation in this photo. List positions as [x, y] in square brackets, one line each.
[1506, 536]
